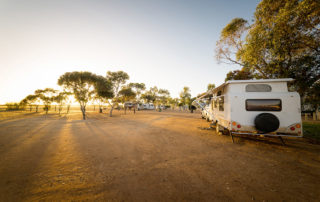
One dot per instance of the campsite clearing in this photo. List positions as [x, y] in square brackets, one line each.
[148, 156]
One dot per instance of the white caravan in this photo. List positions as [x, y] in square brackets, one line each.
[254, 107]
[145, 106]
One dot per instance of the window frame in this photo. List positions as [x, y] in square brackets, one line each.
[264, 110]
[260, 84]
[221, 108]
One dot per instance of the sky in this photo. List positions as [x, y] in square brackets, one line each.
[165, 43]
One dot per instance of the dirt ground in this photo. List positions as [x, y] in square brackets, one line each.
[149, 156]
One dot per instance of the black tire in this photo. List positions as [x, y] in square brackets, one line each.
[266, 122]
[225, 132]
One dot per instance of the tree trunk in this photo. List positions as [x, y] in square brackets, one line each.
[60, 109]
[68, 108]
[125, 110]
[111, 110]
[100, 109]
[37, 108]
[83, 110]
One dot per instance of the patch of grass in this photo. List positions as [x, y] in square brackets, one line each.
[311, 130]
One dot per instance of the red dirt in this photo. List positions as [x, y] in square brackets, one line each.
[149, 156]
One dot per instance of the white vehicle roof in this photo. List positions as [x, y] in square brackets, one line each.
[212, 91]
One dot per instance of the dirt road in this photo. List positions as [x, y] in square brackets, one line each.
[149, 156]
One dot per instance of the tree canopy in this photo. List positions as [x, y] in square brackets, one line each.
[211, 86]
[118, 80]
[185, 96]
[81, 85]
[283, 41]
[46, 96]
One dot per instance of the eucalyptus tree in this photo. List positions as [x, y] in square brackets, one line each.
[103, 91]
[150, 95]
[211, 86]
[61, 99]
[46, 96]
[126, 94]
[185, 96]
[118, 80]
[282, 41]
[173, 102]
[81, 85]
[138, 88]
[163, 96]
[240, 75]
[30, 100]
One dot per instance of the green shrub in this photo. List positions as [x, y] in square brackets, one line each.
[13, 106]
[311, 130]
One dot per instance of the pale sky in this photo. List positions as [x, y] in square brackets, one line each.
[167, 43]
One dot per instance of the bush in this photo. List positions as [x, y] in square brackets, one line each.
[311, 130]
[47, 107]
[14, 106]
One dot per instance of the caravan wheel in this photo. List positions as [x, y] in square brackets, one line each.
[226, 131]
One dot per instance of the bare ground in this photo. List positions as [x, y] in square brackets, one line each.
[149, 156]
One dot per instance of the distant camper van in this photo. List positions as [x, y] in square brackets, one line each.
[128, 105]
[254, 107]
[145, 106]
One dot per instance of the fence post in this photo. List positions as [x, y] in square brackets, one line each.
[314, 116]
[306, 116]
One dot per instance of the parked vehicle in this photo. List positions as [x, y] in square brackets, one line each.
[145, 106]
[128, 105]
[162, 107]
[255, 107]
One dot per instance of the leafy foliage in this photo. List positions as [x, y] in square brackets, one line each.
[211, 86]
[14, 106]
[150, 95]
[239, 75]
[81, 85]
[126, 94]
[118, 80]
[163, 96]
[46, 96]
[61, 98]
[283, 41]
[138, 88]
[185, 96]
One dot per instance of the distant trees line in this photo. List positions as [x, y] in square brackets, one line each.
[111, 89]
[282, 41]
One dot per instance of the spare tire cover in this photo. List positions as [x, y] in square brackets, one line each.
[266, 122]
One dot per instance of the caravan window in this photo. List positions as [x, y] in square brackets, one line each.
[263, 105]
[258, 88]
[221, 103]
